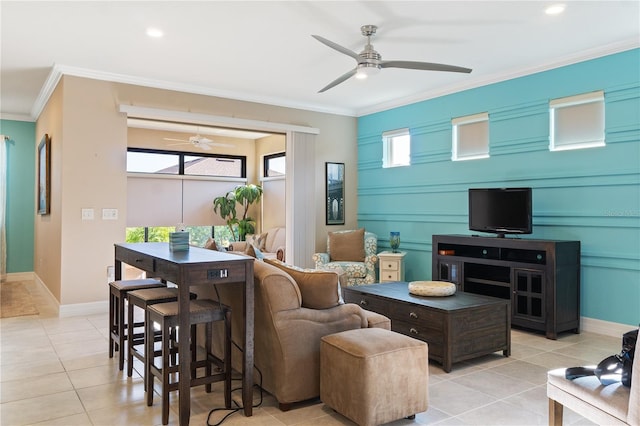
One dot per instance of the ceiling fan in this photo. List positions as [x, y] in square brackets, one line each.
[370, 62]
[199, 142]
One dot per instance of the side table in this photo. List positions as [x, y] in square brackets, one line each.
[391, 266]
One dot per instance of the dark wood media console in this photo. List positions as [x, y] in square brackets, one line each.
[540, 277]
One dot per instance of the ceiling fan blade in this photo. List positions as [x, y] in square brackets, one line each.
[223, 145]
[177, 140]
[426, 66]
[181, 143]
[339, 80]
[337, 47]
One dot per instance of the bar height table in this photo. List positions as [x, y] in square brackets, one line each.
[196, 266]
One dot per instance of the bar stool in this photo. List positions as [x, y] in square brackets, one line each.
[200, 312]
[142, 299]
[117, 327]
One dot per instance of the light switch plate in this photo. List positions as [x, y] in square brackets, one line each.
[109, 214]
[87, 214]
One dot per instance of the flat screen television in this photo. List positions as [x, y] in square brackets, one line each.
[500, 210]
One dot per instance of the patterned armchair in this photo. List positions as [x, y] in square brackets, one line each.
[345, 254]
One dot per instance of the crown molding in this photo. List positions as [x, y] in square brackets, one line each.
[504, 76]
[16, 117]
[59, 70]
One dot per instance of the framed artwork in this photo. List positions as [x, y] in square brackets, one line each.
[44, 175]
[335, 193]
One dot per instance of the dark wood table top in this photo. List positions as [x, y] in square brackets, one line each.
[193, 255]
[399, 290]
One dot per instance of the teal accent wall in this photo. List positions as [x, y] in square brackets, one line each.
[21, 180]
[591, 195]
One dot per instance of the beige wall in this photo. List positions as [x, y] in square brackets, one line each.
[48, 232]
[89, 169]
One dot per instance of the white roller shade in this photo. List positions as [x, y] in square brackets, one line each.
[197, 199]
[167, 201]
[153, 201]
[273, 203]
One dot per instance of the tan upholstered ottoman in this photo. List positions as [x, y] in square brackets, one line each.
[374, 376]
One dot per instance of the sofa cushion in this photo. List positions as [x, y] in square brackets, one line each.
[319, 289]
[257, 240]
[347, 246]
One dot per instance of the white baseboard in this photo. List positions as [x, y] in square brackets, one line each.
[18, 276]
[81, 309]
[606, 328]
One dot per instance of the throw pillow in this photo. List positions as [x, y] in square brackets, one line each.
[253, 251]
[258, 240]
[347, 246]
[319, 289]
[211, 244]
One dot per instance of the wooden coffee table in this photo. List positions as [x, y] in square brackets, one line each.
[457, 327]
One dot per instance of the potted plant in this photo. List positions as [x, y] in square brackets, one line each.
[245, 195]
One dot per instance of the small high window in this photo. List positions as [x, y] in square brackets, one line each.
[142, 160]
[577, 122]
[396, 148]
[274, 165]
[470, 137]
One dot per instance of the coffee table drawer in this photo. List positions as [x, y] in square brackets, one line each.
[370, 303]
[414, 314]
[433, 336]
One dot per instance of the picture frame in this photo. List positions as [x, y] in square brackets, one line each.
[44, 175]
[334, 196]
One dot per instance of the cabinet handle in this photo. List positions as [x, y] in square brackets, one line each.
[363, 303]
[139, 260]
[413, 331]
[413, 315]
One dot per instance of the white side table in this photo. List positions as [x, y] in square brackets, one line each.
[391, 266]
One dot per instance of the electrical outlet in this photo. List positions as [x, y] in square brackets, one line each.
[87, 214]
[111, 274]
[109, 214]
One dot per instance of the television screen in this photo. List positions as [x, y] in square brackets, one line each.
[500, 210]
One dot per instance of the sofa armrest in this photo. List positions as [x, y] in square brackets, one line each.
[376, 320]
[238, 246]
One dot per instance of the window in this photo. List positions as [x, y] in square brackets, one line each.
[470, 137]
[576, 122]
[198, 235]
[185, 163]
[274, 165]
[396, 148]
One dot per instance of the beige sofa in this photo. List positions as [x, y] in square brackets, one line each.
[271, 243]
[290, 320]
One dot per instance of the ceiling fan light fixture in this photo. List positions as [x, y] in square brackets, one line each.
[365, 70]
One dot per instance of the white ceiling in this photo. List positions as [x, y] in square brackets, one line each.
[263, 51]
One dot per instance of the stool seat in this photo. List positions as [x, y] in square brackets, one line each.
[142, 299]
[118, 291]
[200, 312]
[374, 376]
[130, 285]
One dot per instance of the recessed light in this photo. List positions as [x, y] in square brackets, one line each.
[154, 32]
[555, 9]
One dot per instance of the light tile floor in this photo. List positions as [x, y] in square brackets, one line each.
[56, 371]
